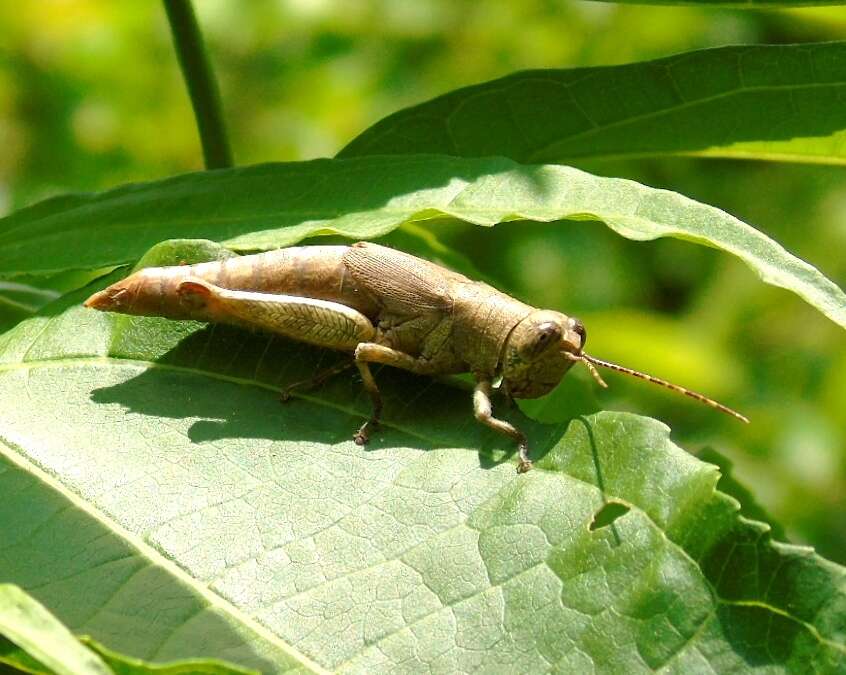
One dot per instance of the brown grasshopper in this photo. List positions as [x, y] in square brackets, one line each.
[382, 306]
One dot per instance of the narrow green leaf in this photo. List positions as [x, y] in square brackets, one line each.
[45, 637]
[125, 665]
[274, 205]
[29, 625]
[20, 301]
[20, 661]
[135, 443]
[776, 102]
[15, 659]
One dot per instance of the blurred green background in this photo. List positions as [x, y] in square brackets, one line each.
[91, 97]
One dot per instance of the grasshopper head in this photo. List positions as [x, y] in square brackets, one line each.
[535, 355]
[543, 346]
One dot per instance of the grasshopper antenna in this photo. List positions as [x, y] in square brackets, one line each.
[591, 362]
[594, 373]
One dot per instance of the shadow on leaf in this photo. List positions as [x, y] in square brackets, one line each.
[230, 380]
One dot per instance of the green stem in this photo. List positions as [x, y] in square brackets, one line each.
[202, 87]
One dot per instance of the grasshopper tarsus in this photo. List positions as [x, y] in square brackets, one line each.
[524, 466]
[362, 436]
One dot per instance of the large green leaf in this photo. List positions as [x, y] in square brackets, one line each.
[158, 496]
[779, 102]
[274, 205]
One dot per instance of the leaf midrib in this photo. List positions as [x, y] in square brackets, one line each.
[156, 365]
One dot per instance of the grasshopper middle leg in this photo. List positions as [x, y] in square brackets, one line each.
[371, 352]
[363, 434]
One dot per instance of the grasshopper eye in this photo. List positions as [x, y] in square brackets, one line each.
[579, 329]
[546, 333]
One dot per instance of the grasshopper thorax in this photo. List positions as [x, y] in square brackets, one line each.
[535, 353]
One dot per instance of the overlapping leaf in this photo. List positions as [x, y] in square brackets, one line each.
[780, 102]
[275, 205]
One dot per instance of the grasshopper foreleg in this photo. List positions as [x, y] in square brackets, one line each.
[483, 410]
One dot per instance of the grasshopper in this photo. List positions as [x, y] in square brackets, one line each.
[384, 307]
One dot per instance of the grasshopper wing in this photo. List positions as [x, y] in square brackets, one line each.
[400, 282]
